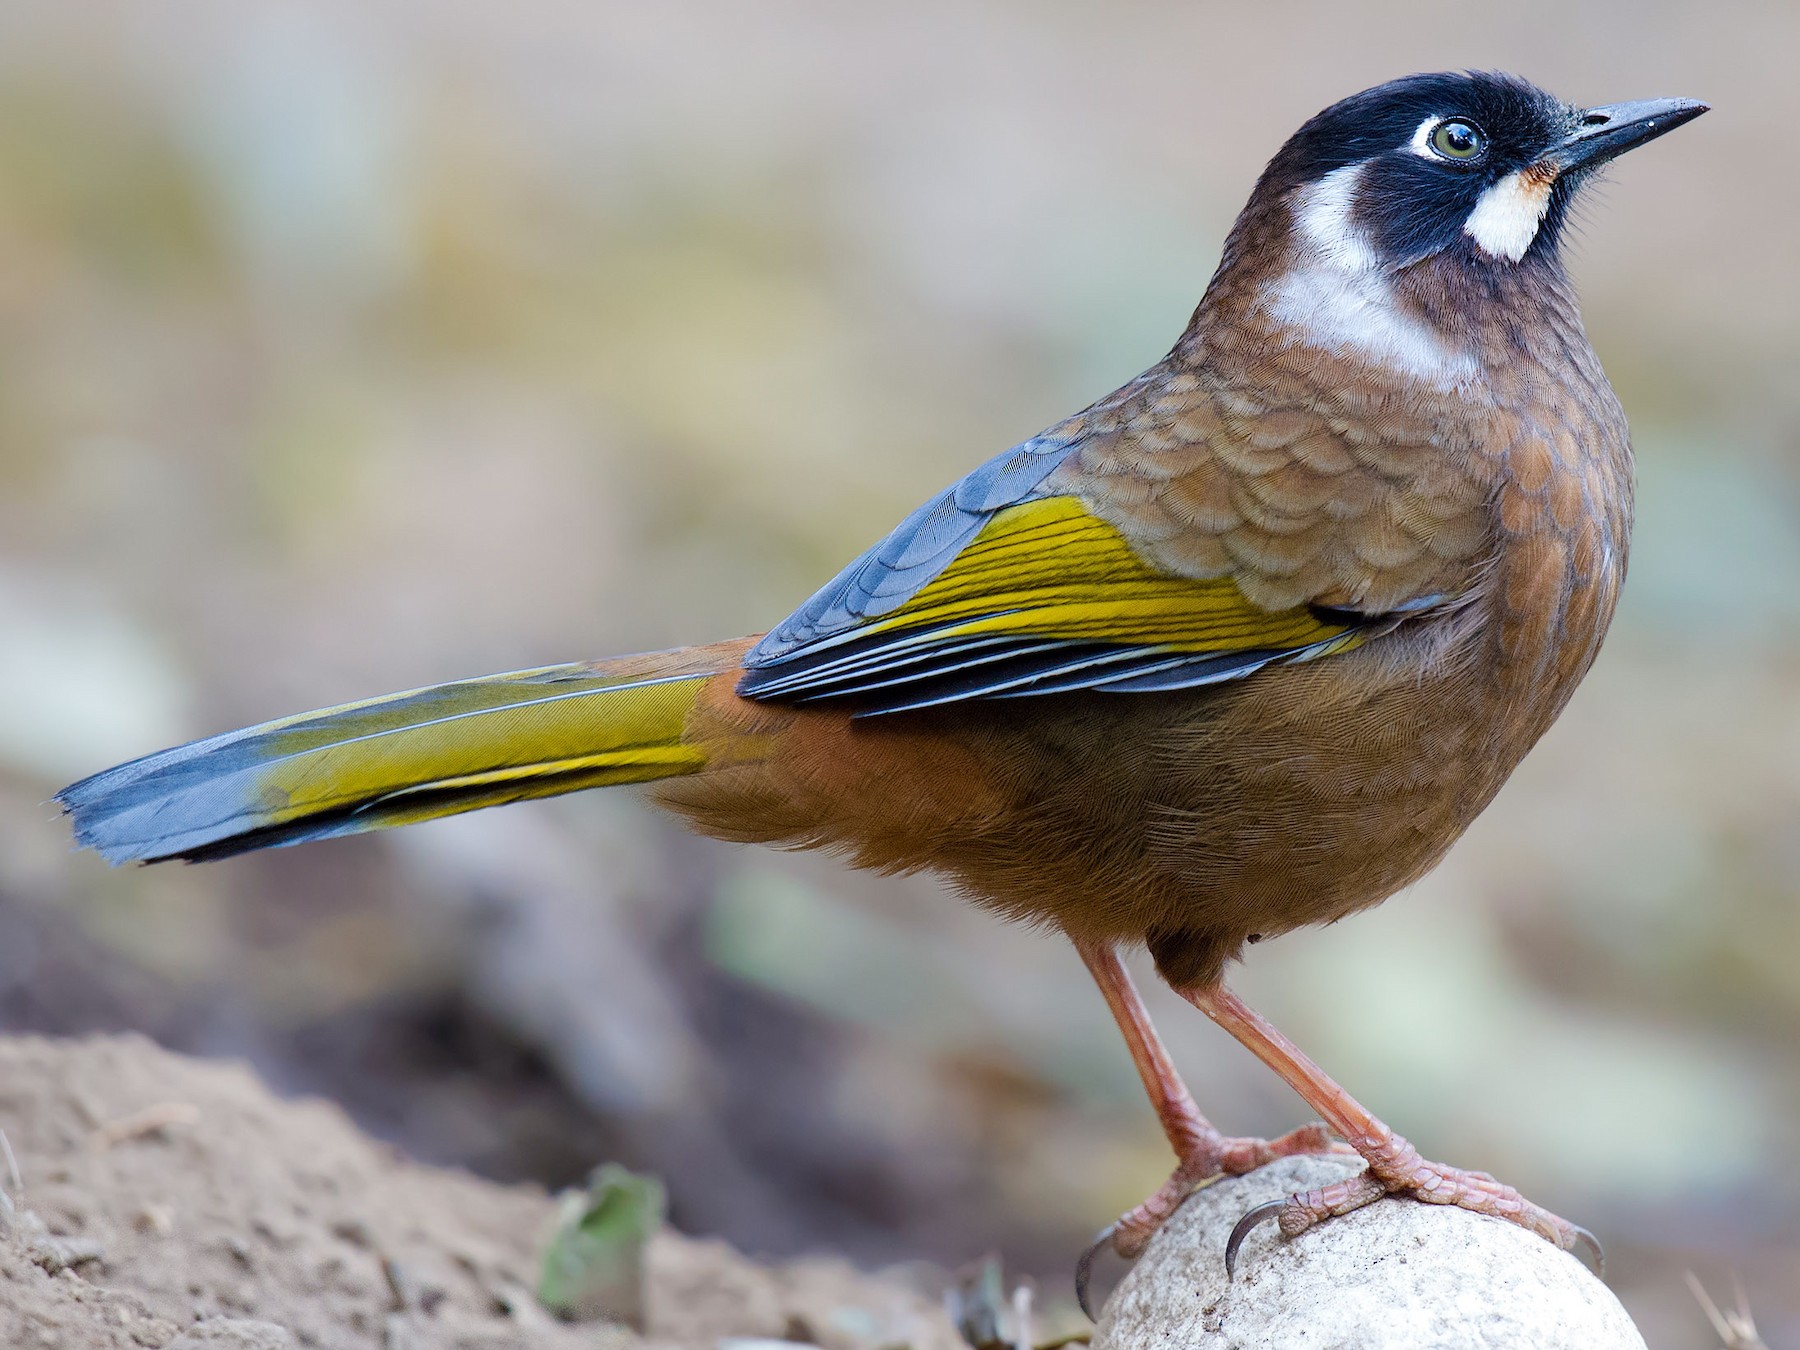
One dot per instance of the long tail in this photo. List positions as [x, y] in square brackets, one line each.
[408, 757]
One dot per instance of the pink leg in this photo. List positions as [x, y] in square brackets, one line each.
[1200, 1150]
[1395, 1167]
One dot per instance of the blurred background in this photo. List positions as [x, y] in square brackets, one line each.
[348, 346]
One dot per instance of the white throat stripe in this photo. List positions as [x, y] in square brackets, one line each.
[1323, 216]
[1337, 298]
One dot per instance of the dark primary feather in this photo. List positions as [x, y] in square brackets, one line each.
[886, 682]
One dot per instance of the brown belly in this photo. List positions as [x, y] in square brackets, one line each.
[1194, 820]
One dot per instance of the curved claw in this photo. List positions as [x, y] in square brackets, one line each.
[1084, 1268]
[1243, 1230]
[1591, 1244]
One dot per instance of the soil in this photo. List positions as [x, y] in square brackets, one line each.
[175, 1204]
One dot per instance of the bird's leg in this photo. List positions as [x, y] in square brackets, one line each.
[1200, 1150]
[1395, 1167]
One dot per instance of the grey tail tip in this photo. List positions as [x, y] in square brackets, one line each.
[86, 828]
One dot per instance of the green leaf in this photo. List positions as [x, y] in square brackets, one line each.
[593, 1269]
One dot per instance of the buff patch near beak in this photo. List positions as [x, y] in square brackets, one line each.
[1505, 220]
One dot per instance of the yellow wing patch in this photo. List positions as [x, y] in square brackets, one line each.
[1048, 569]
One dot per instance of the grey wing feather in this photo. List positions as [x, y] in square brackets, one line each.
[923, 545]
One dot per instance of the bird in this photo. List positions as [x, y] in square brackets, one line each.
[1243, 646]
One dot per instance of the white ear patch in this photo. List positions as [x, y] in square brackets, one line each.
[1506, 218]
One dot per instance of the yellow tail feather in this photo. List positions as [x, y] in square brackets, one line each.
[404, 758]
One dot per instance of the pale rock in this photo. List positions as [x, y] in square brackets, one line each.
[1392, 1276]
[233, 1333]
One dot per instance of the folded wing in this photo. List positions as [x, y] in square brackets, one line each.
[1047, 598]
[1173, 534]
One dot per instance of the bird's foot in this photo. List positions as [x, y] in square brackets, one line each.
[1210, 1155]
[1395, 1168]
[1220, 1155]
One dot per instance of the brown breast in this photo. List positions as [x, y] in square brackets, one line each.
[1310, 791]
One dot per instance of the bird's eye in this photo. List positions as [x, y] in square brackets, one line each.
[1459, 140]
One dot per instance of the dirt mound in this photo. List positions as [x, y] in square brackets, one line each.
[174, 1204]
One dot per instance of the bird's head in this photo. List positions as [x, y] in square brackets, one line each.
[1414, 226]
[1481, 166]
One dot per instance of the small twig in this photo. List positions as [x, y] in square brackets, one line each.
[400, 1284]
[17, 1186]
[1021, 1311]
[1736, 1329]
[974, 1303]
[85, 1108]
[150, 1120]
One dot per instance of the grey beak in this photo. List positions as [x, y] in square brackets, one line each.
[1605, 133]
